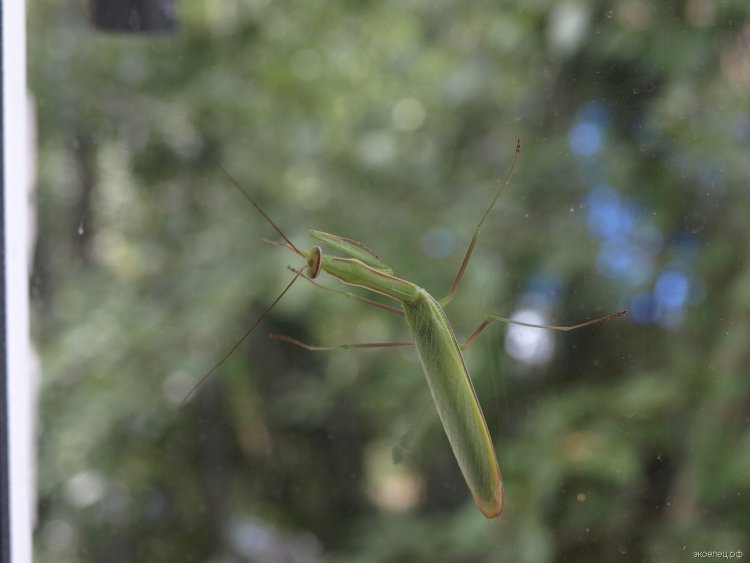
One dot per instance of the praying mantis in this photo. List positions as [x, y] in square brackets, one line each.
[438, 350]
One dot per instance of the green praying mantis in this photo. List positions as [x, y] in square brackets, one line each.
[439, 351]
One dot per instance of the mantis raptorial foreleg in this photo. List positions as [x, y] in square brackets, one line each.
[365, 300]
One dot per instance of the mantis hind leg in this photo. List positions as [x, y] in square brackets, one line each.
[491, 319]
[314, 348]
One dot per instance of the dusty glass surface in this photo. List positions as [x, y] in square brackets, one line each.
[392, 123]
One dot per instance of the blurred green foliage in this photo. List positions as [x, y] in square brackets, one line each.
[391, 123]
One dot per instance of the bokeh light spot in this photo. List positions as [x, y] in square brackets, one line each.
[437, 243]
[532, 346]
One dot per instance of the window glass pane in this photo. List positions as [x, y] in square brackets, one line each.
[392, 123]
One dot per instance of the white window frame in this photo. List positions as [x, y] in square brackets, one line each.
[17, 461]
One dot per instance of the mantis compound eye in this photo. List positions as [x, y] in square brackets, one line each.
[313, 263]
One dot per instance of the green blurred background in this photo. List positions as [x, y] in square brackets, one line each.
[392, 122]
